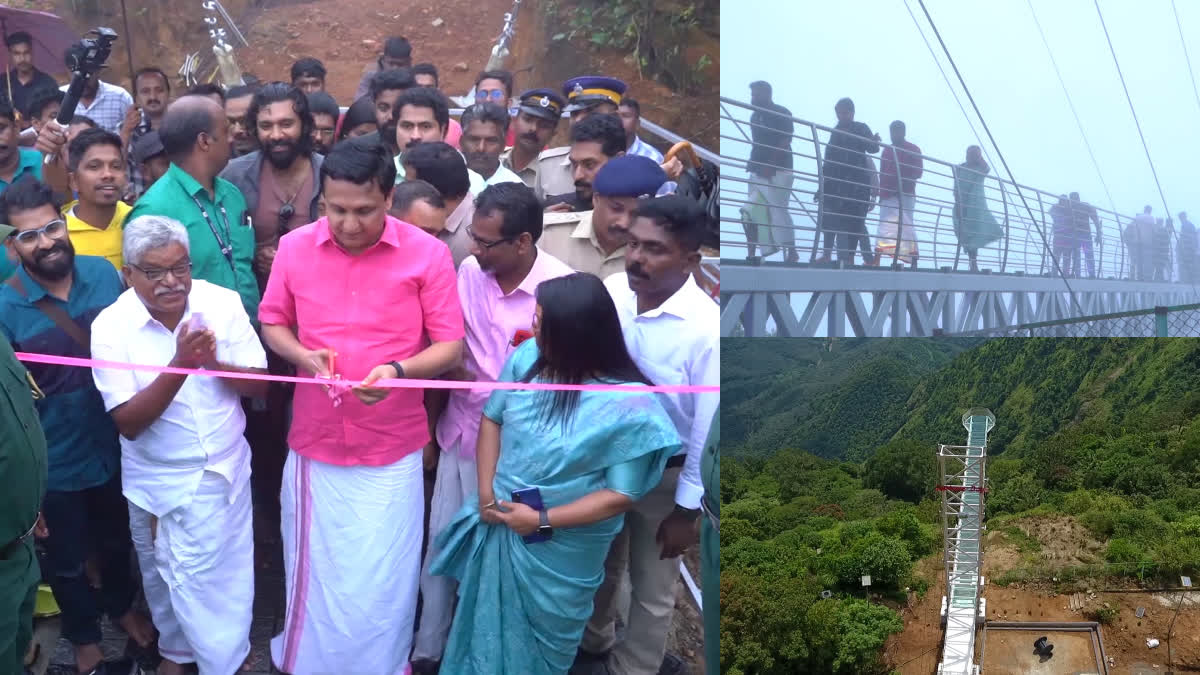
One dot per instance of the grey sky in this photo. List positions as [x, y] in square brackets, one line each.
[817, 51]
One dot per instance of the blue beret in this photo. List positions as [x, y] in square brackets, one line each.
[629, 176]
[586, 91]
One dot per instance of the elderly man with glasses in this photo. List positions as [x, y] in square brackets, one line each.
[185, 463]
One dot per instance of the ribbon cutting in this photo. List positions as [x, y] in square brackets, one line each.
[387, 384]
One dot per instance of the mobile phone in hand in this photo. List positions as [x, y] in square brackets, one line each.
[531, 497]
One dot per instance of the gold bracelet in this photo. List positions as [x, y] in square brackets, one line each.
[490, 505]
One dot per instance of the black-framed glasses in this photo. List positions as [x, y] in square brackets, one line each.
[179, 271]
[487, 243]
[53, 230]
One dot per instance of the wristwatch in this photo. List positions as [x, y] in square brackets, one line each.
[690, 514]
[398, 367]
[544, 528]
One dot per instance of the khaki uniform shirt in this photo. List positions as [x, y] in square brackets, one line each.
[528, 175]
[455, 235]
[554, 175]
[570, 238]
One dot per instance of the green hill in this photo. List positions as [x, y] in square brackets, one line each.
[1101, 432]
[835, 397]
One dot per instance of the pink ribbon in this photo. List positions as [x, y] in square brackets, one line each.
[387, 384]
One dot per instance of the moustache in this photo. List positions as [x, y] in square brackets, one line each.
[530, 137]
[173, 289]
[635, 270]
[583, 184]
[287, 145]
[58, 247]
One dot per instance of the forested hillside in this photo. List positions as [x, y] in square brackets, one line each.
[836, 397]
[1100, 432]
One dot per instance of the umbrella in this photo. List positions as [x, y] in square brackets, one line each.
[51, 37]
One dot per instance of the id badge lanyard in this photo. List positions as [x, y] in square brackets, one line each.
[224, 242]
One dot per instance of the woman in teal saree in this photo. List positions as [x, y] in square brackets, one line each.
[522, 606]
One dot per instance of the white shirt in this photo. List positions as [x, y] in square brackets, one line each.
[108, 108]
[677, 343]
[503, 175]
[643, 149]
[201, 430]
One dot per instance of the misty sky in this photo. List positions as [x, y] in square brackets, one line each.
[816, 51]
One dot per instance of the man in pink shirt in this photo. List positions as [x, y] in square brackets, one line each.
[900, 167]
[356, 297]
[496, 286]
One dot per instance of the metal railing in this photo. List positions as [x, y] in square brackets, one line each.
[1177, 321]
[1114, 249]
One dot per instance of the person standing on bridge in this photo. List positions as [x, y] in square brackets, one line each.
[845, 195]
[974, 223]
[901, 166]
[1083, 215]
[1187, 249]
[1139, 238]
[771, 177]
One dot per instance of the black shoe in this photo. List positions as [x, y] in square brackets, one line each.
[122, 666]
[425, 667]
[588, 663]
[673, 665]
[146, 657]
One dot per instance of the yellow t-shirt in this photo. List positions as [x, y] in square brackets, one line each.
[88, 240]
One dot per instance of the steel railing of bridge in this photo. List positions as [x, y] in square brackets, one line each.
[1026, 247]
[1177, 321]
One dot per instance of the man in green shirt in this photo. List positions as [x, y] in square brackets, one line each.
[710, 544]
[195, 136]
[22, 486]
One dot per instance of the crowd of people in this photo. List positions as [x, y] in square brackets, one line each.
[260, 230]
[851, 186]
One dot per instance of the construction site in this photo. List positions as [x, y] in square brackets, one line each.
[965, 625]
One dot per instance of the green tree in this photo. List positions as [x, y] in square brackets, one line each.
[864, 628]
[903, 469]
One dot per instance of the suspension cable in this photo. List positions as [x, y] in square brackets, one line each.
[1187, 59]
[1040, 230]
[1071, 103]
[1133, 112]
[945, 77]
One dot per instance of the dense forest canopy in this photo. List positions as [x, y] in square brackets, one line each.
[832, 472]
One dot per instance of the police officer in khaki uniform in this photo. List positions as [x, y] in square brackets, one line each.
[586, 95]
[594, 241]
[537, 119]
[22, 486]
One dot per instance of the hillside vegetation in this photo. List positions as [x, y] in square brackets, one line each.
[1102, 432]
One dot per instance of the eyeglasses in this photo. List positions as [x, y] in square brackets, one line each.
[325, 133]
[53, 230]
[179, 271]
[485, 243]
[493, 94]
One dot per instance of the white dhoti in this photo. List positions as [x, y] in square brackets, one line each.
[457, 479]
[352, 556]
[198, 575]
[896, 234]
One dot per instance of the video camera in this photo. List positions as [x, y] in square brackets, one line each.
[89, 55]
[85, 59]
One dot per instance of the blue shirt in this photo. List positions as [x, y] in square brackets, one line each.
[81, 438]
[29, 163]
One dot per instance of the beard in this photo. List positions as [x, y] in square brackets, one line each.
[281, 154]
[583, 191]
[56, 269]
